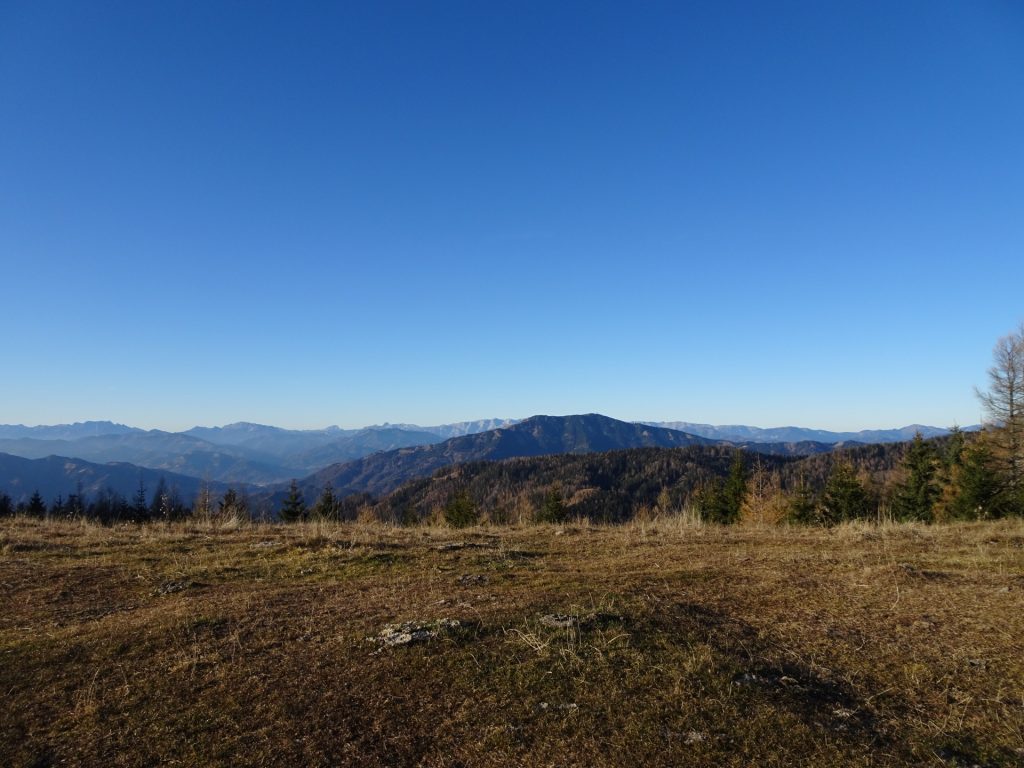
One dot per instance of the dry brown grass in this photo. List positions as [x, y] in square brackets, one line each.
[205, 645]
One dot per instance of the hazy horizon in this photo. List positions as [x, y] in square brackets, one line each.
[317, 427]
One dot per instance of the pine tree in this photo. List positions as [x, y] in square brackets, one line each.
[294, 508]
[917, 494]
[845, 497]
[57, 508]
[6, 505]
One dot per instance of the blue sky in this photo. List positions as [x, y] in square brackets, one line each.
[306, 214]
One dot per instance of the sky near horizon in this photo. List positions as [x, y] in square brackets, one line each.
[788, 213]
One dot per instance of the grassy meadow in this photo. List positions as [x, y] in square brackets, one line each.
[653, 643]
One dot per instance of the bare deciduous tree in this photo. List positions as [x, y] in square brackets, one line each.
[1004, 404]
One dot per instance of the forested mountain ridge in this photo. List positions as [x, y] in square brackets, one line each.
[383, 472]
[615, 486]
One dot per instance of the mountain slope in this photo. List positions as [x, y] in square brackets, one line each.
[605, 487]
[614, 486]
[58, 475]
[535, 436]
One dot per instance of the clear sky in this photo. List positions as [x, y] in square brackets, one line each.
[304, 214]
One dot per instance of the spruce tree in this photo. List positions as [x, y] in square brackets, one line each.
[140, 510]
[952, 454]
[553, 508]
[803, 508]
[735, 489]
[712, 502]
[720, 501]
[917, 494]
[6, 505]
[36, 505]
[844, 497]
[977, 485]
[460, 511]
[294, 508]
[326, 507]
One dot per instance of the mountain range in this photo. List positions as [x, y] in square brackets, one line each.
[742, 433]
[373, 460]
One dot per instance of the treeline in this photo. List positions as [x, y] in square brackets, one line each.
[108, 506]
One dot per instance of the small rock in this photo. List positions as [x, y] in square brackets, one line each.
[1002, 590]
[170, 587]
[409, 632]
[468, 579]
[694, 737]
[559, 620]
[843, 713]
